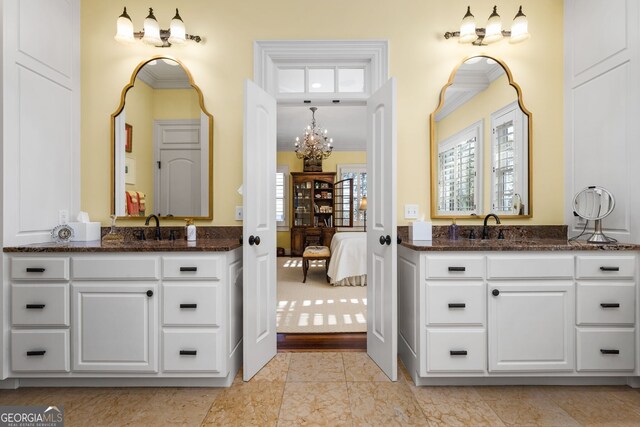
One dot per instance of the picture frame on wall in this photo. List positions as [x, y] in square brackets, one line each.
[128, 146]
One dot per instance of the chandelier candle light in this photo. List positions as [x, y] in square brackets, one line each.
[315, 145]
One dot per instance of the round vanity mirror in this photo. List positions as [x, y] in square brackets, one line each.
[593, 204]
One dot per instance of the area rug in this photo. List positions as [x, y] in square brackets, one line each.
[316, 306]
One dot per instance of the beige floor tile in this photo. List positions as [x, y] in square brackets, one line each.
[275, 370]
[597, 408]
[247, 404]
[524, 408]
[384, 404]
[321, 404]
[629, 396]
[455, 406]
[360, 367]
[316, 367]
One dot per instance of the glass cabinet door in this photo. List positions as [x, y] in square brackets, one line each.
[302, 211]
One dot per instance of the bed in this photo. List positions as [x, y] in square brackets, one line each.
[348, 265]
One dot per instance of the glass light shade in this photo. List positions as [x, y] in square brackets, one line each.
[494, 28]
[468, 28]
[124, 32]
[178, 32]
[519, 28]
[151, 30]
[363, 204]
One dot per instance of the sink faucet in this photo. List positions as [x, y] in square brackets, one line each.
[158, 234]
[485, 228]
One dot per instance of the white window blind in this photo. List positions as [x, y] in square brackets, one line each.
[503, 167]
[282, 196]
[458, 160]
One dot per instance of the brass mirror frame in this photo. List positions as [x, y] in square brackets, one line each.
[113, 138]
[434, 144]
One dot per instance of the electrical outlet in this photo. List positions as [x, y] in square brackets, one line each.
[63, 216]
[238, 213]
[410, 211]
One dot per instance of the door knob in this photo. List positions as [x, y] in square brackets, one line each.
[149, 293]
[387, 240]
[382, 240]
[495, 292]
[254, 239]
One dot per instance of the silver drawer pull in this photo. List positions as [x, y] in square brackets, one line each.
[35, 306]
[457, 269]
[36, 352]
[458, 352]
[188, 352]
[610, 268]
[188, 305]
[610, 305]
[35, 270]
[606, 351]
[457, 305]
[188, 268]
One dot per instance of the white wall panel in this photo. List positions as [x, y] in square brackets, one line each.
[602, 106]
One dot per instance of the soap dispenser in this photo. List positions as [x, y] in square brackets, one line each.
[453, 230]
[191, 231]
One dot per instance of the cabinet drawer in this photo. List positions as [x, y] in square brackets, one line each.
[40, 351]
[192, 267]
[192, 304]
[602, 267]
[42, 304]
[193, 350]
[606, 303]
[455, 267]
[40, 268]
[606, 349]
[456, 350]
[115, 268]
[530, 266]
[450, 303]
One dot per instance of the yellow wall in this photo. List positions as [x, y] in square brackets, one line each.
[419, 57]
[288, 158]
[498, 95]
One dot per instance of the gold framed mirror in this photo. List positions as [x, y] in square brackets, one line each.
[481, 144]
[162, 145]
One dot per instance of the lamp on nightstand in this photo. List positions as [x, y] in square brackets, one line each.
[363, 208]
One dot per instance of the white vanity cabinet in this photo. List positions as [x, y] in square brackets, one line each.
[170, 318]
[511, 317]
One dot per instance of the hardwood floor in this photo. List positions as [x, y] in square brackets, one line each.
[322, 342]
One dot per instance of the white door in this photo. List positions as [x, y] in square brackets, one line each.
[531, 326]
[259, 229]
[115, 327]
[178, 157]
[382, 315]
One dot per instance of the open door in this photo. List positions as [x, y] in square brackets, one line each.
[343, 203]
[259, 229]
[382, 303]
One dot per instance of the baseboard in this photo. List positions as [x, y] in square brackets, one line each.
[493, 381]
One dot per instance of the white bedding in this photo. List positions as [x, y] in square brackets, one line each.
[348, 265]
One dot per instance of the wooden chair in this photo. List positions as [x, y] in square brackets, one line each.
[315, 253]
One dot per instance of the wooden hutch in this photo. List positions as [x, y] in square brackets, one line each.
[319, 205]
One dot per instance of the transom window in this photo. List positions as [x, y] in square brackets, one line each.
[314, 80]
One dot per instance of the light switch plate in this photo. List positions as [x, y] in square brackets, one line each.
[410, 211]
[238, 213]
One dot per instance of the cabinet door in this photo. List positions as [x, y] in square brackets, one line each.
[297, 241]
[115, 327]
[530, 326]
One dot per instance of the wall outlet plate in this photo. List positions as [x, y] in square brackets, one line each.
[410, 211]
[238, 213]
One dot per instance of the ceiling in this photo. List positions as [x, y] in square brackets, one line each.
[346, 125]
[164, 74]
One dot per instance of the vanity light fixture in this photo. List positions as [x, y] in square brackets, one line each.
[152, 33]
[493, 32]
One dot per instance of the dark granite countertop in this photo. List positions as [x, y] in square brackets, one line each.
[200, 245]
[530, 244]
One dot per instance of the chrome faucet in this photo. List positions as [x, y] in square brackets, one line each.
[158, 234]
[485, 228]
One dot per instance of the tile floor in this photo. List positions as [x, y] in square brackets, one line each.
[336, 389]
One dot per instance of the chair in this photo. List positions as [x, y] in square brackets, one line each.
[315, 253]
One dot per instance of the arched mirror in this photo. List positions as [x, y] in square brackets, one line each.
[481, 144]
[162, 136]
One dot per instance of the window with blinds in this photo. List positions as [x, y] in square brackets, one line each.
[458, 164]
[358, 173]
[282, 193]
[503, 167]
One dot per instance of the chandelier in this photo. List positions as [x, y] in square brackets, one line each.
[315, 144]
